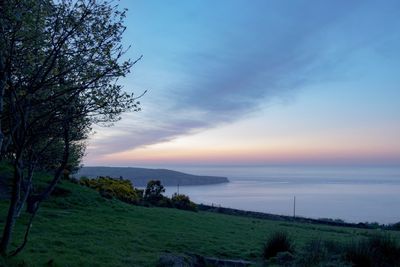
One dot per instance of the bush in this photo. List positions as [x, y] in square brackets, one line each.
[123, 190]
[153, 192]
[277, 242]
[109, 188]
[139, 193]
[314, 252]
[378, 250]
[164, 202]
[321, 253]
[183, 202]
[395, 226]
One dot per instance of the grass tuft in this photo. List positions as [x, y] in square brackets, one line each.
[277, 242]
[377, 250]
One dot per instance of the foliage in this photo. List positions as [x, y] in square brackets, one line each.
[163, 202]
[60, 62]
[123, 190]
[313, 253]
[110, 188]
[277, 242]
[99, 232]
[318, 252]
[183, 202]
[377, 250]
[395, 226]
[153, 192]
[153, 195]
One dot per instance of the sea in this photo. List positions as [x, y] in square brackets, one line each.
[351, 194]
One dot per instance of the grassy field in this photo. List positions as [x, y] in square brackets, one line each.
[81, 228]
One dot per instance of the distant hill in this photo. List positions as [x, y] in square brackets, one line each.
[140, 176]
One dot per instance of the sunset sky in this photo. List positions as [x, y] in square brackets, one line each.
[258, 83]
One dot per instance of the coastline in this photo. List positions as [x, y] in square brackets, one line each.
[299, 219]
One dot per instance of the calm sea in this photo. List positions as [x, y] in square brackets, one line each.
[353, 194]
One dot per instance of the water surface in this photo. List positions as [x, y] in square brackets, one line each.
[353, 194]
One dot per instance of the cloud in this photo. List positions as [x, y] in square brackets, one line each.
[217, 64]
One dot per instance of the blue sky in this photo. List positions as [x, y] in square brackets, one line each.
[259, 82]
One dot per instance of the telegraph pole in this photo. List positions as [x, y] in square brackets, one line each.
[294, 207]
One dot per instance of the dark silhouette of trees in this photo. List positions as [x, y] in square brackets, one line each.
[59, 66]
[153, 192]
[182, 202]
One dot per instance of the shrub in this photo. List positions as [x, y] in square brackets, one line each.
[164, 202]
[153, 192]
[395, 226]
[321, 253]
[313, 253]
[139, 193]
[106, 194]
[183, 202]
[109, 187]
[378, 250]
[277, 242]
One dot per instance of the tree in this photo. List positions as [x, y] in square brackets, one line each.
[182, 202]
[153, 192]
[3, 48]
[61, 63]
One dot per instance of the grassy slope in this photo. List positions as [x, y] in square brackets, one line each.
[83, 229]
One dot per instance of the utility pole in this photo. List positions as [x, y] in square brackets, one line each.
[178, 188]
[294, 207]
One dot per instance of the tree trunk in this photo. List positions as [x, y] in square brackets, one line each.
[57, 175]
[2, 69]
[2, 89]
[28, 228]
[14, 202]
[32, 203]
[27, 187]
[23, 200]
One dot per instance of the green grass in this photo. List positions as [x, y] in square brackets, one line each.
[83, 229]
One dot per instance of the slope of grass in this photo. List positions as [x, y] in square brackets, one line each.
[81, 228]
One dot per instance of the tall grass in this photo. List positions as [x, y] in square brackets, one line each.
[277, 242]
[378, 250]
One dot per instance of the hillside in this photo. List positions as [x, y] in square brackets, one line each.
[140, 176]
[80, 228]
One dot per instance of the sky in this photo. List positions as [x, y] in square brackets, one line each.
[263, 82]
